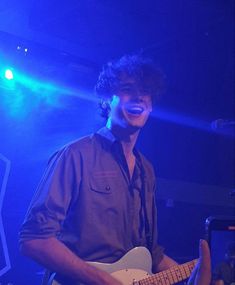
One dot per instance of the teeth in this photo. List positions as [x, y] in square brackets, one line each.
[135, 110]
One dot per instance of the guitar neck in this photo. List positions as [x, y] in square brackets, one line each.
[170, 276]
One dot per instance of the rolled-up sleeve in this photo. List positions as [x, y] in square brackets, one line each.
[56, 191]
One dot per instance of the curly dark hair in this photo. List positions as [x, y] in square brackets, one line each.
[136, 66]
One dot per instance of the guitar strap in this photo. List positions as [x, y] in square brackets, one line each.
[147, 210]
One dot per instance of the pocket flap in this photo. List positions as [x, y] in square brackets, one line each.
[100, 185]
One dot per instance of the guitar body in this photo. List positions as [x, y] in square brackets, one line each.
[134, 268]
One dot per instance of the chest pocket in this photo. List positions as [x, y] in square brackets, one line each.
[104, 182]
[103, 197]
[100, 186]
[107, 194]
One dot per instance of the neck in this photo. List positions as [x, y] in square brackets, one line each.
[127, 137]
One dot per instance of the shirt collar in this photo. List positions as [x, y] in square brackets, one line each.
[106, 133]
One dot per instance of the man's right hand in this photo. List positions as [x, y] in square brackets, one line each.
[54, 255]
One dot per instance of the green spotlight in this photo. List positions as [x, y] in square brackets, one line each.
[9, 74]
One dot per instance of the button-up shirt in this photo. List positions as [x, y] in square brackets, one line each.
[87, 199]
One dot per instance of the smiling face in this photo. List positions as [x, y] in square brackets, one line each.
[130, 106]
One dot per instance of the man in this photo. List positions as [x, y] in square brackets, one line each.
[96, 200]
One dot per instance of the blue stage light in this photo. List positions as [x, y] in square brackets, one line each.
[9, 74]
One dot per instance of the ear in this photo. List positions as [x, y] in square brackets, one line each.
[105, 107]
[104, 104]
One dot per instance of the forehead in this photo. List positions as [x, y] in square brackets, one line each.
[129, 80]
[133, 85]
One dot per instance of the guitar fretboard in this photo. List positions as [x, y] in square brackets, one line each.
[171, 276]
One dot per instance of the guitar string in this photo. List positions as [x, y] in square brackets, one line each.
[186, 271]
[178, 274]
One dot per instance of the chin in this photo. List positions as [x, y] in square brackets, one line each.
[139, 124]
[135, 127]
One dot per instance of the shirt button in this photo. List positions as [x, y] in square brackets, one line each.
[107, 188]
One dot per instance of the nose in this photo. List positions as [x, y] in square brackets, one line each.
[137, 95]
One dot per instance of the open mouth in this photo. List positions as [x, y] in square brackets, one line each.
[135, 110]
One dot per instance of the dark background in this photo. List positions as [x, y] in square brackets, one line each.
[67, 42]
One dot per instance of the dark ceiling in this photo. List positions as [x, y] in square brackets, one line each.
[98, 30]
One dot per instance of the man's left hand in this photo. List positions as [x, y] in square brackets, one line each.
[201, 274]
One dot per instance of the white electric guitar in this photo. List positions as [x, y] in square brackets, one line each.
[134, 268]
